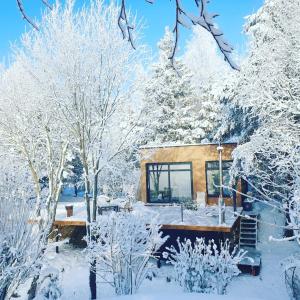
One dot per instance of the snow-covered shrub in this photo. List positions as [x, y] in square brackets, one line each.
[20, 246]
[204, 268]
[291, 268]
[122, 244]
[49, 285]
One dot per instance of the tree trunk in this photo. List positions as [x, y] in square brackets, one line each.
[33, 287]
[95, 190]
[93, 284]
[95, 193]
[3, 293]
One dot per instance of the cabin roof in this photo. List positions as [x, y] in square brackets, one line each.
[184, 145]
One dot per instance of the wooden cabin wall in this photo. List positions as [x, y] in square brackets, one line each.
[198, 155]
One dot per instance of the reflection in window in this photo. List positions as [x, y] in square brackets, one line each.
[213, 178]
[169, 182]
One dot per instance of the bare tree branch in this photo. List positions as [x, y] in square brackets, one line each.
[184, 19]
[25, 17]
[124, 25]
[48, 5]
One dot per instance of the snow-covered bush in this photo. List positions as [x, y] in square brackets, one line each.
[20, 246]
[49, 285]
[291, 268]
[204, 268]
[122, 244]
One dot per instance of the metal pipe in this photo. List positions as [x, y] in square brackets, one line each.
[221, 203]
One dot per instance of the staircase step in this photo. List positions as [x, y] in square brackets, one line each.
[245, 236]
[248, 222]
[248, 242]
[247, 245]
[248, 229]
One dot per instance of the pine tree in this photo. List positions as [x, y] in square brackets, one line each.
[170, 98]
[210, 76]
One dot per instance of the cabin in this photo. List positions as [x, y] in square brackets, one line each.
[179, 185]
[172, 174]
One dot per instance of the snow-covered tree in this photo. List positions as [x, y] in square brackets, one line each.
[203, 268]
[74, 172]
[267, 99]
[21, 242]
[79, 61]
[30, 130]
[210, 78]
[170, 114]
[90, 80]
[122, 247]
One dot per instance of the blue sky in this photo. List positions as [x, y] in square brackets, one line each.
[156, 17]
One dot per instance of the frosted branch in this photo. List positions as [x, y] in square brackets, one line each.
[185, 19]
[26, 17]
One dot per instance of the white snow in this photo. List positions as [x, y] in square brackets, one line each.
[166, 214]
[269, 285]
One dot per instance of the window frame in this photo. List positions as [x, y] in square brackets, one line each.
[169, 171]
[206, 177]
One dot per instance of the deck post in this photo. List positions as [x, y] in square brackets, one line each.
[221, 203]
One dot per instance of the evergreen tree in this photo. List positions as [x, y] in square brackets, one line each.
[170, 99]
[210, 76]
[75, 173]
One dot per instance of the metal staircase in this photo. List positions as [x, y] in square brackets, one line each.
[248, 231]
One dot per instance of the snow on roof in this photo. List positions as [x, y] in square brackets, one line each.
[183, 145]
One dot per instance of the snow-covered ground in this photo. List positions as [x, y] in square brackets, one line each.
[269, 285]
[170, 214]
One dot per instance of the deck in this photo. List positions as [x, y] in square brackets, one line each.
[169, 216]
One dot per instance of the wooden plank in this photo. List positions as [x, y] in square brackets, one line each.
[197, 228]
[69, 223]
[164, 226]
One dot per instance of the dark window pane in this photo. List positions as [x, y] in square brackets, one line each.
[181, 188]
[226, 182]
[159, 187]
[212, 165]
[213, 178]
[227, 164]
[180, 167]
[158, 167]
[169, 182]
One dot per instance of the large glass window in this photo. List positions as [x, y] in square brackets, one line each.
[169, 182]
[213, 178]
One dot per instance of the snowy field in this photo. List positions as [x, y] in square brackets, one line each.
[269, 285]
